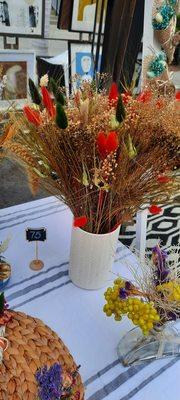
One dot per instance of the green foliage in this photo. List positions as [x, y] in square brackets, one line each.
[131, 149]
[178, 23]
[61, 118]
[2, 301]
[34, 92]
[53, 86]
[57, 93]
[120, 110]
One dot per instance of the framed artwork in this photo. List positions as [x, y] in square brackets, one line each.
[22, 17]
[65, 13]
[18, 67]
[81, 62]
[83, 15]
[11, 42]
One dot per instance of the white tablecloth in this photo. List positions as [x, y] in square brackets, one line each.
[75, 314]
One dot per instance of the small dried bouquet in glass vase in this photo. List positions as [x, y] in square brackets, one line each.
[152, 303]
[101, 153]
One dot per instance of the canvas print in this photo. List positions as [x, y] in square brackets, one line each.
[22, 17]
[84, 66]
[83, 15]
[16, 80]
[15, 69]
[82, 62]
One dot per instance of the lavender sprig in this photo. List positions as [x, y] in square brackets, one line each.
[50, 382]
[160, 262]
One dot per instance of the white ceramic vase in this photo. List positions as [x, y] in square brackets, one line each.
[91, 258]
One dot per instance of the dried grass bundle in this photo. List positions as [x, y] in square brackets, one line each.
[104, 157]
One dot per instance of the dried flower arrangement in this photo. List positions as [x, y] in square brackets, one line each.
[56, 384]
[153, 300]
[103, 154]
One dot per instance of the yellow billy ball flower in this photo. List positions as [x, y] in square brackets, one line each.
[171, 290]
[142, 314]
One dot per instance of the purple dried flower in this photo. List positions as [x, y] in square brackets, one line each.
[164, 274]
[128, 285]
[172, 316]
[122, 293]
[50, 382]
[6, 305]
[160, 262]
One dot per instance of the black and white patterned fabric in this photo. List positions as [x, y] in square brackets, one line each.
[164, 228]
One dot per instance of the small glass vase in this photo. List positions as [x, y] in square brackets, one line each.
[164, 341]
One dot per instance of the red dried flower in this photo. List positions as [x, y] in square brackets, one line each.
[163, 179]
[79, 222]
[112, 142]
[48, 102]
[145, 96]
[113, 93]
[178, 96]
[107, 143]
[32, 116]
[101, 144]
[155, 209]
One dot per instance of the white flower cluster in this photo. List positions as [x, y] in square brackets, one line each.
[44, 80]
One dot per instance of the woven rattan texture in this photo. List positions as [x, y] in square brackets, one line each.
[31, 346]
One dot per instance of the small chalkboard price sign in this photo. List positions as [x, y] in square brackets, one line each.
[36, 235]
[33, 235]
